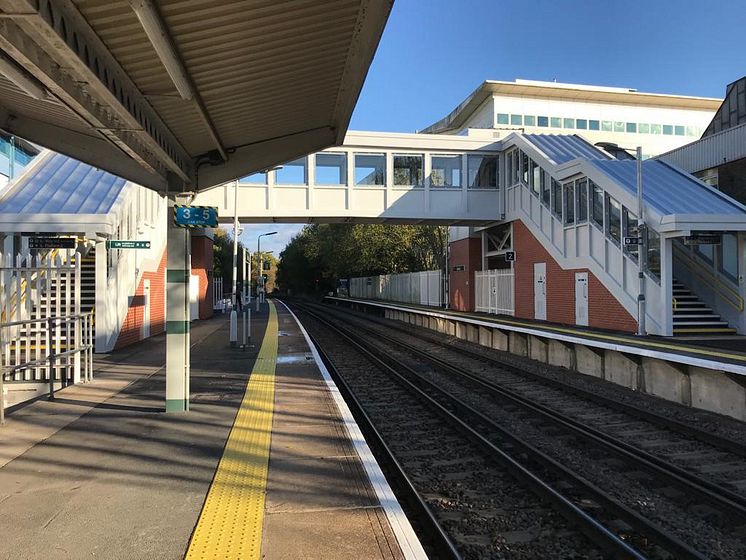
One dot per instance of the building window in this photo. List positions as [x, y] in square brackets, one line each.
[597, 205]
[582, 201]
[516, 120]
[619, 126]
[293, 173]
[679, 130]
[524, 168]
[607, 126]
[482, 171]
[655, 129]
[446, 171]
[543, 121]
[613, 219]
[630, 230]
[516, 156]
[546, 194]
[569, 189]
[503, 118]
[370, 169]
[331, 168]
[555, 122]
[557, 198]
[643, 128]
[408, 170]
[728, 253]
[254, 179]
[668, 129]
[631, 127]
[529, 120]
[594, 125]
[691, 131]
[581, 124]
[568, 123]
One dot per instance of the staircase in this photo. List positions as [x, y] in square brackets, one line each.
[691, 316]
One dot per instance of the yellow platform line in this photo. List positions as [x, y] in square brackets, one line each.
[230, 525]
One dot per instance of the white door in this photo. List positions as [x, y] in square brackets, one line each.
[146, 308]
[581, 298]
[540, 291]
[193, 297]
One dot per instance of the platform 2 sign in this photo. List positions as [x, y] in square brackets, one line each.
[510, 256]
[195, 216]
[124, 244]
[51, 243]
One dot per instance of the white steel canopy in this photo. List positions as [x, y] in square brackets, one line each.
[184, 94]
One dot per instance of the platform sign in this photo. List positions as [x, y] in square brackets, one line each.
[195, 216]
[51, 243]
[510, 256]
[632, 241]
[122, 244]
[704, 239]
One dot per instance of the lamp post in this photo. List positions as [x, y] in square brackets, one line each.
[234, 312]
[259, 278]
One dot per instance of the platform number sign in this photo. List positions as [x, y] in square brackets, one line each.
[632, 241]
[195, 216]
[510, 256]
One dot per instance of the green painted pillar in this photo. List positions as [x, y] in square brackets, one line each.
[178, 271]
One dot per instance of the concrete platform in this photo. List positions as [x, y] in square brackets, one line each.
[104, 472]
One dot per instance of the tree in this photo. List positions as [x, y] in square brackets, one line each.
[321, 254]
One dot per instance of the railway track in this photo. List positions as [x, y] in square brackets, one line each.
[476, 405]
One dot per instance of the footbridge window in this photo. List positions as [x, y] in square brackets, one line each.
[569, 189]
[613, 219]
[728, 256]
[597, 205]
[331, 169]
[293, 172]
[630, 230]
[582, 200]
[482, 171]
[546, 194]
[370, 169]
[408, 170]
[557, 198]
[654, 253]
[254, 179]
[446, 171]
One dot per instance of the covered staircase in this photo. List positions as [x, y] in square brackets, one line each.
[692, 316]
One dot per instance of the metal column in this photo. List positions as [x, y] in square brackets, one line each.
[177, 312]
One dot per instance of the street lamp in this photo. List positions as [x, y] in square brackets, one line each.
[234, 313]
[259, 277]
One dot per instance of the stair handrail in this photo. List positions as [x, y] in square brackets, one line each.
[729, 295]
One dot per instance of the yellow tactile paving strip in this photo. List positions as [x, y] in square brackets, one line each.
[230, 525]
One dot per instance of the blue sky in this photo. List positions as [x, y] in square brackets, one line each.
[433, 53]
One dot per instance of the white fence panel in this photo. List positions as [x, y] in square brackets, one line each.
[494, 291]
[422, 288]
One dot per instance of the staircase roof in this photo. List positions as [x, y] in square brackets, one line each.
[669, 190]
[561, 148]
[57, 184]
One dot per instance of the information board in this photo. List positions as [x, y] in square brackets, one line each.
[195, 216]
[51, 243]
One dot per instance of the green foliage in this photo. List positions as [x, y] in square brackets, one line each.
[321, 254]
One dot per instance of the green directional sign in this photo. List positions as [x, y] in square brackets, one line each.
[122, 244]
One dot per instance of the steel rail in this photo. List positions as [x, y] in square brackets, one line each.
[708, 491]
[593, 528]
[652, 417]
[435, 534]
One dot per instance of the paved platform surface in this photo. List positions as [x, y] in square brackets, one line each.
[102, 472]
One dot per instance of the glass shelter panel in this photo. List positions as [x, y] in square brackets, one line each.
[370, 169]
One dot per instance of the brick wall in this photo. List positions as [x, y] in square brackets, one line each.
[604, 311]
[202, 266]
[131, 331]
[465, 252]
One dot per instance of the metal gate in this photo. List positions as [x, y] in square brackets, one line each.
[494, 291]
[41, 327]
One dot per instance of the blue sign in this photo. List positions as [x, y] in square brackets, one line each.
[195, 216]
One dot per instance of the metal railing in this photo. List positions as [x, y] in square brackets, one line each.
[68, 349]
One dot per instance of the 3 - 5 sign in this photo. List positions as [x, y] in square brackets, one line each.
[195, 216]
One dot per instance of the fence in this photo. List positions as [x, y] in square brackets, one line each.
[423, 288]
[494, 291]
[218, 298]
[44, 339]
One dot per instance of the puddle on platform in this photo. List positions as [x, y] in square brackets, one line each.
[294, 358]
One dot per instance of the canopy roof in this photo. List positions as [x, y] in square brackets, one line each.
[184, 94]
